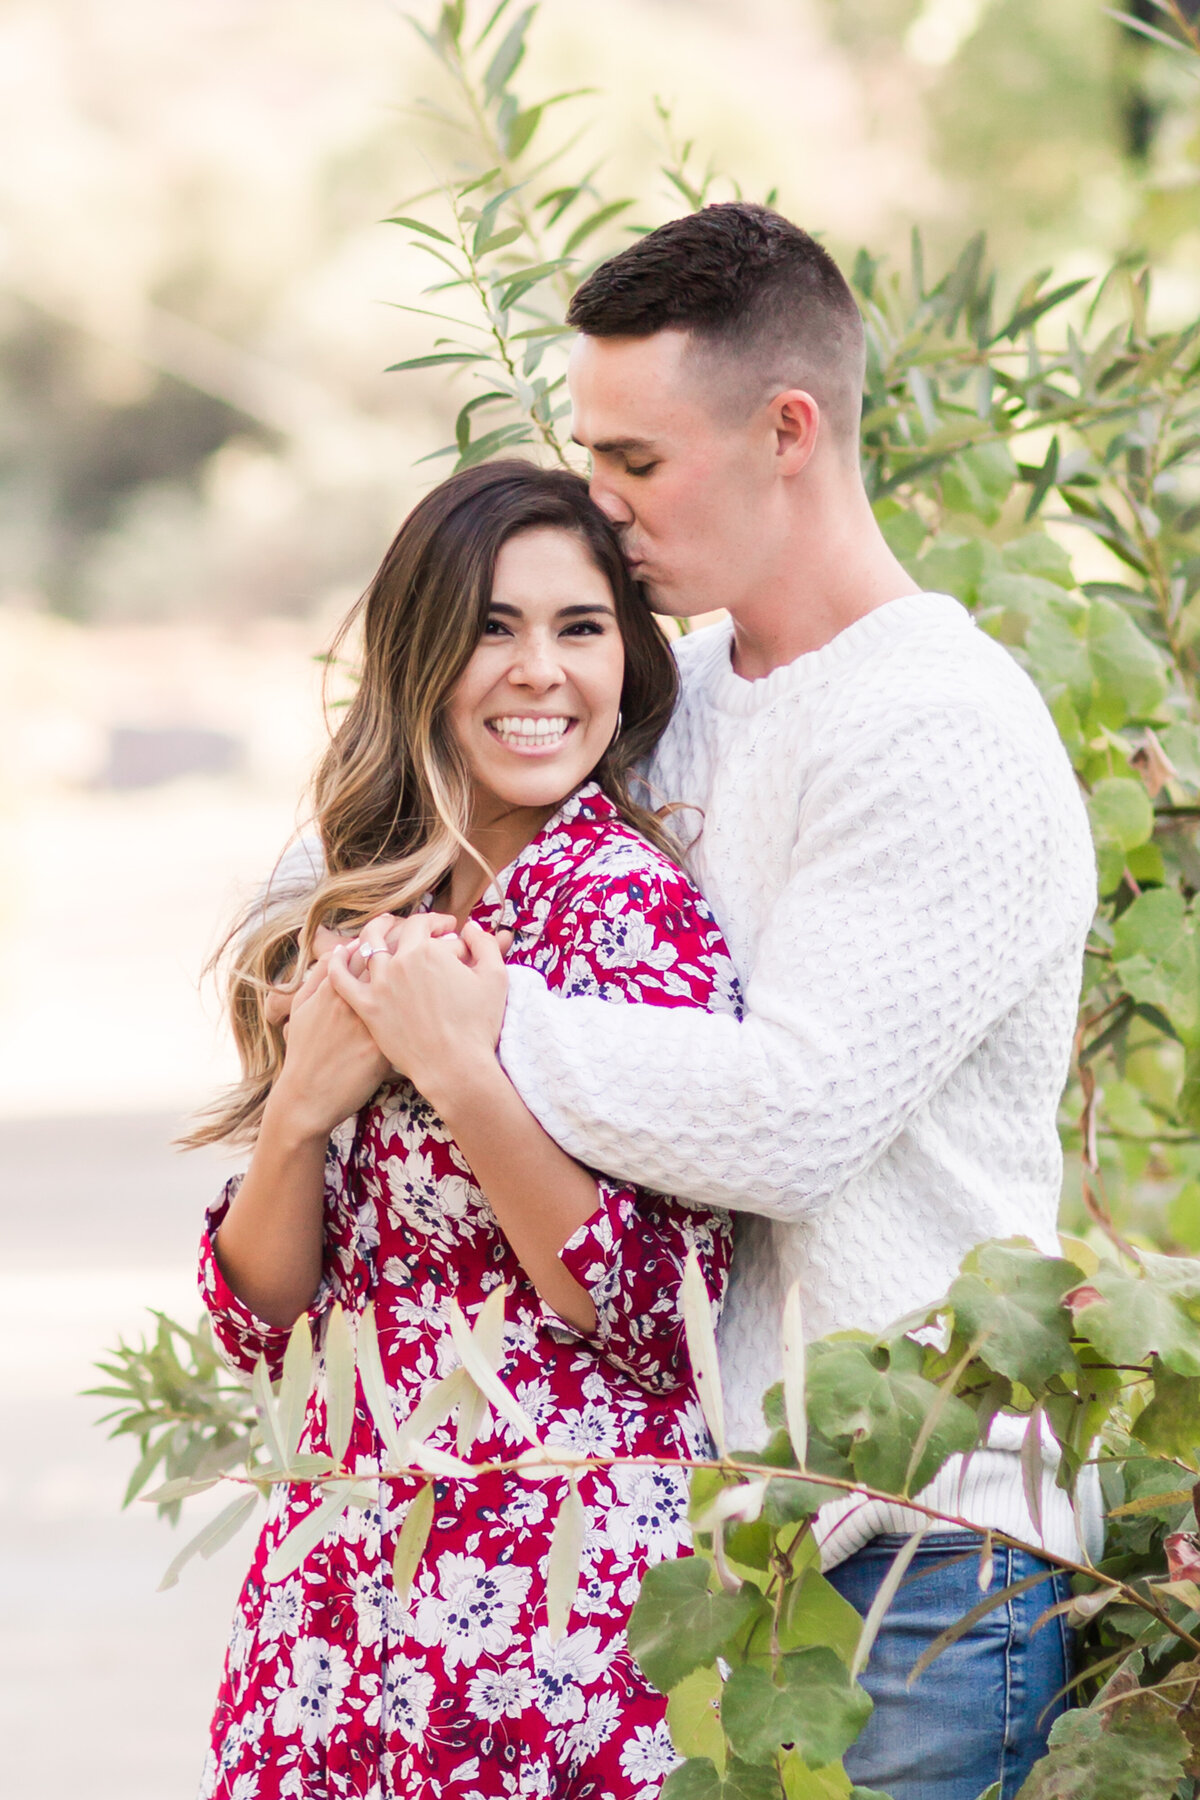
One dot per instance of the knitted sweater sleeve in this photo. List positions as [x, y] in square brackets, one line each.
[935, 875]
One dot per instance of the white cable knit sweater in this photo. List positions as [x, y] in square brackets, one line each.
[894, 844]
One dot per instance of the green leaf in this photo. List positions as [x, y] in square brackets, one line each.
[1170, 1425]
[1025, 316]
[1131, 1751]
[1129, 672]
[1156, 960]
[1037, 554]
[593, 223]
[506, 61]
[295, 1387]
[697, 1779]
[903, 529]
[268, 1416]
[287, 1556]
[813, 1612]
[876, 1415]
[1134, 1319]
[433, 362]
[702, 1348]
[693, 1715]
[340, 1382]
[376, 1391]
[486, 240]
[212, 1536]
[1011, 1299]
[884, 1595]
[1121, 813]
[411, 1540]
[417, 225]
[952, 565]
[792, 1351]
[563, 1564]
[816, 1707]
[978, 481]
[677, 1624]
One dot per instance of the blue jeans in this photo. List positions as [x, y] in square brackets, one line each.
[981, 1712]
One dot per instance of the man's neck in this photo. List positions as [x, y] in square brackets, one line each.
[831, 576]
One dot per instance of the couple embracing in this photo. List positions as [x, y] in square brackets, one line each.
[768, 948]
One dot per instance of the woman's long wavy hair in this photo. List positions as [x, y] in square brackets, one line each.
[391, 799]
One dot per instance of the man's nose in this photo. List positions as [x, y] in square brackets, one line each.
[610, 502]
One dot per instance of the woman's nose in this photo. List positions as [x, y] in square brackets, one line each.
[537, 667]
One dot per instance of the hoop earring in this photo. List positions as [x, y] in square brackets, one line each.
[619, 728]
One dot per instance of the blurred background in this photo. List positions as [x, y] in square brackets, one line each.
[201, 461]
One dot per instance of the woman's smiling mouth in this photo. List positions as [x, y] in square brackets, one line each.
[526, 735]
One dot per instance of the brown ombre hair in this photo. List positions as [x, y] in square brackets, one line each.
[391, 799]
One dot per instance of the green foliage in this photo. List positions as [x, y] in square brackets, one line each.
[191, 1421]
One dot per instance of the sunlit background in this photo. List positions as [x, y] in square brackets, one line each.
[202, 460]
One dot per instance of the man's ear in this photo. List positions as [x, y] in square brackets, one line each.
[796, 421]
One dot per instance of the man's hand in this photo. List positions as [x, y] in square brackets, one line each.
[432, 998]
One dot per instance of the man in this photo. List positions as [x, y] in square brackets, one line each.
[893, 843]
[892, 840]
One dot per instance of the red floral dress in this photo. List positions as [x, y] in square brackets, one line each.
[332, 1687]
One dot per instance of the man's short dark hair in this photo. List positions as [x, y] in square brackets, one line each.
[766, 305]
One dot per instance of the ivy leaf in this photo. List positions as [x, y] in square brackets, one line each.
[677, 1624]
[817, 1708]
[1129, 673]
[1012, 1299]
[1121, 813]
[694, 1718]
[1133, 1319]
[813, 1612]
[697, 1779]
[876, 1415]
[1155, 957]
[1131, 1751]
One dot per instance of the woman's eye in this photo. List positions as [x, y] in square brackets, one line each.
[585, 628]
[640, 468]
[495, 628]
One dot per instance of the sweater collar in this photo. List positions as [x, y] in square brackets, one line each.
[732, 693]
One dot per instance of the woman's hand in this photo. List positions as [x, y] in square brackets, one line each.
[279, 1001]
[432, 998]
[332, 1065]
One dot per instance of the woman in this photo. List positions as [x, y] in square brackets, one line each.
[511, 678]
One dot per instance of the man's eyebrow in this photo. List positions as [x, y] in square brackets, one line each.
[607, 446]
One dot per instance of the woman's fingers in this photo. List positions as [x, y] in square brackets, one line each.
[348, 987]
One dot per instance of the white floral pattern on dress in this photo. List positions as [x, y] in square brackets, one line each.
[335, 1690]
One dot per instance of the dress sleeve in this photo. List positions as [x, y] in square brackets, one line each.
[630, 1257]
[643, 936]
[241, 1335]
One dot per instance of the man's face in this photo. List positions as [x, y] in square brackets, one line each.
[695, 496]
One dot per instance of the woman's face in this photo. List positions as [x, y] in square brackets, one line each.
[536, 707]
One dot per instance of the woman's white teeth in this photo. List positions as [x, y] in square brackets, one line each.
[530, 731]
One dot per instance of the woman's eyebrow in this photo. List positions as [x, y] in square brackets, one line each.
[584, 608]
